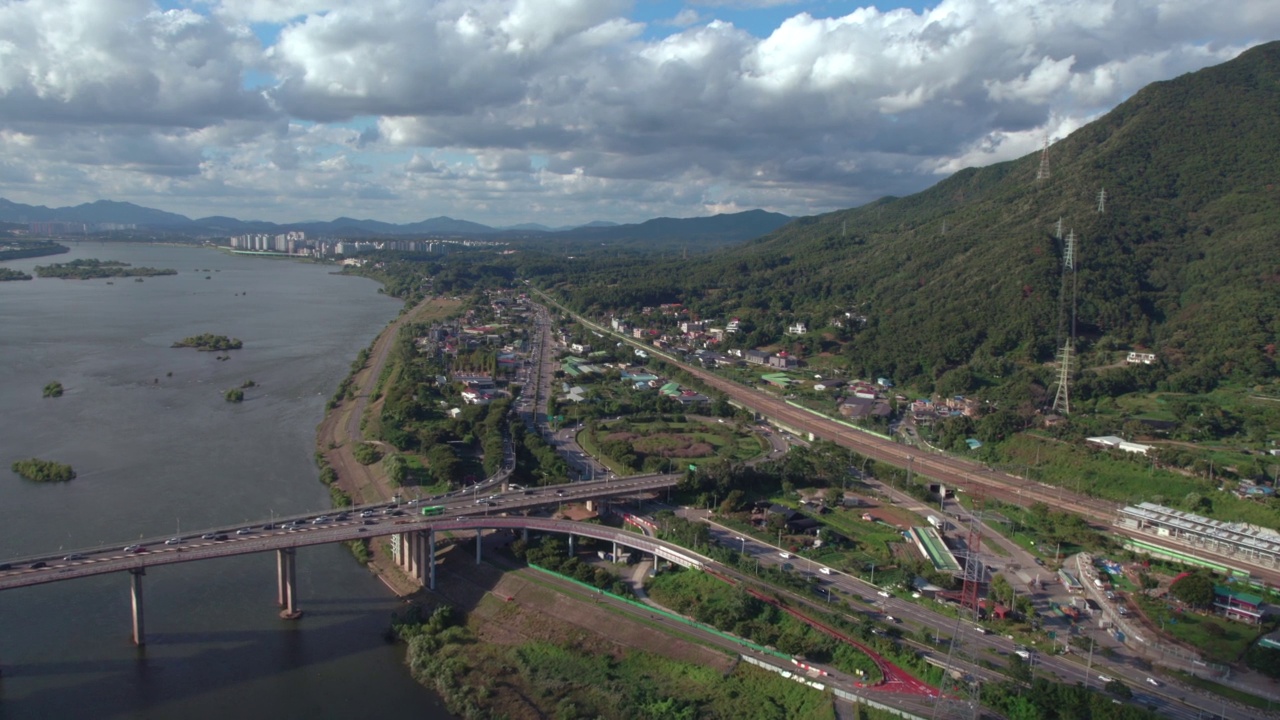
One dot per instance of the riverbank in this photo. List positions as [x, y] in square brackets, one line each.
[342, 431]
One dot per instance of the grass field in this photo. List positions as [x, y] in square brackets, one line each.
[1218, 639]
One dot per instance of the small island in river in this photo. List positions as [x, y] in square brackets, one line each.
[89, 269]
[208, 342]
[38, 470]
[11, 274]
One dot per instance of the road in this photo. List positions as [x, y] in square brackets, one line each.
[867, 599]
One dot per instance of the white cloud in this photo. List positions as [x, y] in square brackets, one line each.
[116, 98]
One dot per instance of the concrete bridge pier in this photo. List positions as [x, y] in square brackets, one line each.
[524, 535]
[479, 537]
[287, 583]
[401, 550]
[408, 554]
[135, 591]
[572, 551]
[418, 546]
[431, 559]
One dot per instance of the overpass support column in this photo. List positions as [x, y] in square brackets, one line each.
[287, 562]
[571, 545]
[431, 559]
[135, 591]
[411, 566]
[615, 551]
[524, 535]
[479, 537]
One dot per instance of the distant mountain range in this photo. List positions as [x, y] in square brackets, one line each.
[712, 230]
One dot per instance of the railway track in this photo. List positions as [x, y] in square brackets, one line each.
[970, 476]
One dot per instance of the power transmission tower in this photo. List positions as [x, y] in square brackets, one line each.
[960, 694]
[1062, 400]
[1102, 201]
[1043, 172]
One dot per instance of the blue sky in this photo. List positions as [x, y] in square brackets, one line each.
[562, 111]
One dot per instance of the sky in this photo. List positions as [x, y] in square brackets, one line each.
[562, 112]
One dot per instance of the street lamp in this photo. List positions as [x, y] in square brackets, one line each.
[743, 551]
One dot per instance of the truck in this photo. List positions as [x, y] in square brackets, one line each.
[937, 522]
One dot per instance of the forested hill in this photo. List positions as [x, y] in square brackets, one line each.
[966, 276]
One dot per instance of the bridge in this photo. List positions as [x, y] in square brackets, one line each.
[413, 538]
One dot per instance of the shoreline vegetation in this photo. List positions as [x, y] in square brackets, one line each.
[27, 250]
[37, 470]
[7, 274]
[208, 342]
[92, 269]
[53, 389]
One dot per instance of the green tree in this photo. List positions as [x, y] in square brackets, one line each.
[367, 453]
[1195, 590]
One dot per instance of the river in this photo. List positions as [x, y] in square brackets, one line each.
[159, 451]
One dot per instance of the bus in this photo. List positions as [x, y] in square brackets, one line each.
[433, 510]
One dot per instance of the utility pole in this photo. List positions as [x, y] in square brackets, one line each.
[1102, 201]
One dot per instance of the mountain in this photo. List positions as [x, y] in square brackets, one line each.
[672, 233]
[962, 285]
[102, 211]
[702, 232]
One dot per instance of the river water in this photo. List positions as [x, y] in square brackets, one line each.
[158, 450]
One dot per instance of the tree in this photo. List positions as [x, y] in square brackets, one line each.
[1000, 590]
[1119, 689]
[1195, 590]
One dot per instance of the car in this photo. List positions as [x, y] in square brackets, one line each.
[269, 526]
[892, 619]
[362, 529]
[209, 536]
[1023, 653]
[980, 630]
[245, 531]
[6, 566]
[173, 541]
[1106, 678]
[366, 513]
[915, 596]
[38, 564]
[784, 555]
[1153, 682]
[320, 520]
[132, 548]
[74, 556]
[368, 522]
[559, 493]
[883, 593]
[824, 570]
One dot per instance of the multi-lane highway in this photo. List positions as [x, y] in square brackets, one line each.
[309, 529]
